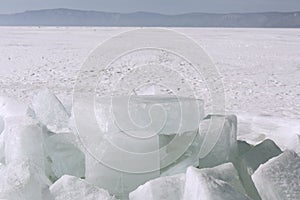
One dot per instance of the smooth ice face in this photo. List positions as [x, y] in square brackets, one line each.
[248, 162]
[73, 188]
[24, 141]
[164, 188]
[50, 111]
[200, 185]
[225, 149]
[279, 178]
[21, 180]
[64, 155]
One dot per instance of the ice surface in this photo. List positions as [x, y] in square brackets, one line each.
[225, 148]
[50, 111]
[64, 155]
[73, 188]
[199, 185]
[248, 162]
[164, 188]
[22, 181]
[11, 107]
[24, 141]
[284, 132]
[279, 178]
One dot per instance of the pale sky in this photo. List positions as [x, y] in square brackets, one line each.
[160, 6]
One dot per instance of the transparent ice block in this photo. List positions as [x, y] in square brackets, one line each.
[127, 151]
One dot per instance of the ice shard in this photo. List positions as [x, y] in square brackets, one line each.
[200, 185]
[225, 149]
[164, 188]
[64, 155]
[24, 141]
[23, 181]
[10, 107]
[73, 188]
[248, 163]
[50, 111]
[226, 172]
[279, 178]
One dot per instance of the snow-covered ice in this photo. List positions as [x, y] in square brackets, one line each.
[279, 178]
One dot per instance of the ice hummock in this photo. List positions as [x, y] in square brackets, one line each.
[50, 111]
[200, 185]
[279, 178]
[73, 188]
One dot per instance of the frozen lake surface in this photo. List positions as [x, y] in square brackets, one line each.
[260, 67]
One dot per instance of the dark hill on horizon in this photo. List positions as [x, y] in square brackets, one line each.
[69, 17]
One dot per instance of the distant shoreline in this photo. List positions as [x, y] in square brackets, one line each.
[74, 18]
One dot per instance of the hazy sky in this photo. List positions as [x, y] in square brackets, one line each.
[161, 6]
